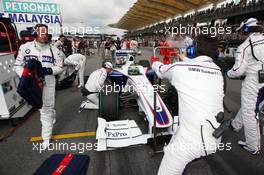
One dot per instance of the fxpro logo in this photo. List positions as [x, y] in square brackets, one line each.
[116, 134]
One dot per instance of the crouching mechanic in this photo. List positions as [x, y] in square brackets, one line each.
[94, 84]
[199, 84]
[79, 61]
[249, 61]
[52, 62]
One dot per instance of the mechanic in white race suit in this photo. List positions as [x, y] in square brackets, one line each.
[60, 42]
[94, 84]
[52, 62]
[249, 60]
[79, 61]
[199, 83]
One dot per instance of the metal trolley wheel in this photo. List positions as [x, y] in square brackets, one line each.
[109, 106]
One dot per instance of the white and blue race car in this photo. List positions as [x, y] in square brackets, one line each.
[137, 78]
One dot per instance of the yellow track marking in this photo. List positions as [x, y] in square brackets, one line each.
[66, 136]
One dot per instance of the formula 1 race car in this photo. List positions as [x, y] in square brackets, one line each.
[138, 79]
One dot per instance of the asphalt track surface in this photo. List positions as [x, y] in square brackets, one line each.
[19, 157]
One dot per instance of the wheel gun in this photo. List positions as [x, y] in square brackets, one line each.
[224, 125]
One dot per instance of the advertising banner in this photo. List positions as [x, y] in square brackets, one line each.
[34, 18]
[31, 12]
[30, 7]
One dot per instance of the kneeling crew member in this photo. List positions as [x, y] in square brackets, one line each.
[95, 84]
[79, 61]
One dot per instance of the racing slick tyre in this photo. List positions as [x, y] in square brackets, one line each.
[171, 100]
[109, 106]
[144, 63]
[65, 83]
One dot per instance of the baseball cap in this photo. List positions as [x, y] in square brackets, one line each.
[108, 65]
[249, 23]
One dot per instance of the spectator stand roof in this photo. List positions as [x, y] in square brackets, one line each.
[147, 12]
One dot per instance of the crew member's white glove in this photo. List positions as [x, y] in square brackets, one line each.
[77, 67]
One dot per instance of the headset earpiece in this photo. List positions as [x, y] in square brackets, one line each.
[191, 51]
[247, 29]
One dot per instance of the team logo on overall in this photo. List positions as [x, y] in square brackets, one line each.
[158, 109]
[30, 57]
[48, 59]
[27, 51]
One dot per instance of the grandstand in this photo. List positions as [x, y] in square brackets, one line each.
[147, 19]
